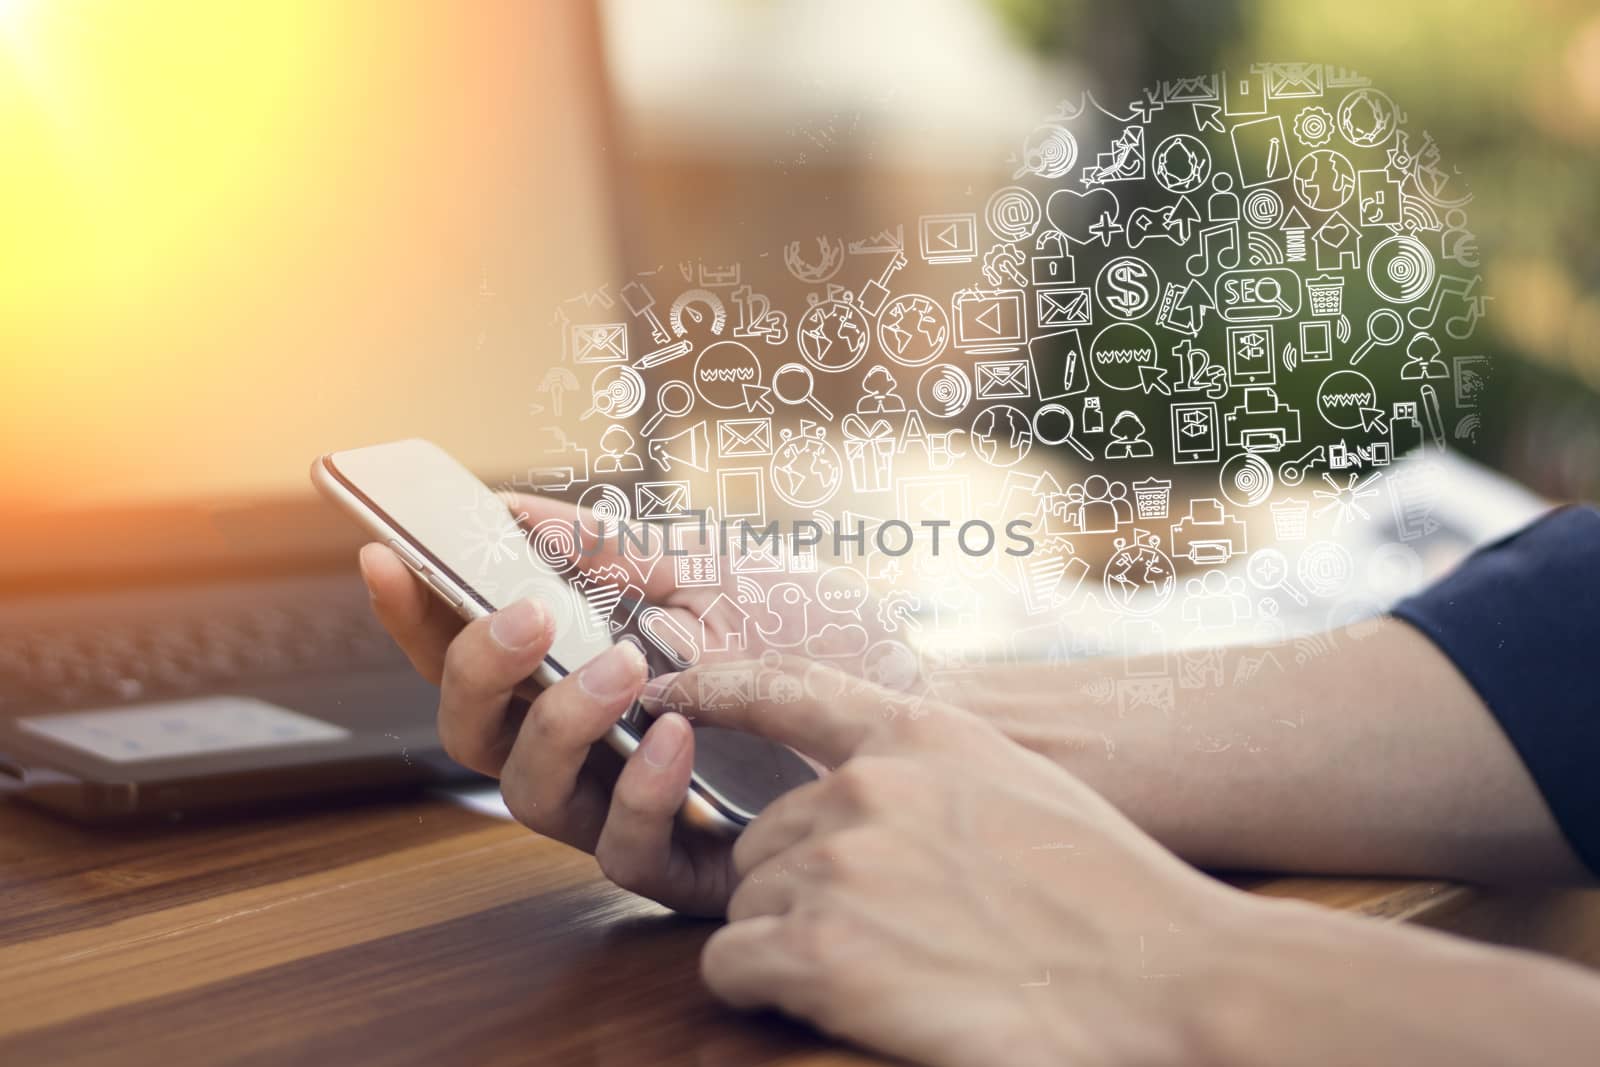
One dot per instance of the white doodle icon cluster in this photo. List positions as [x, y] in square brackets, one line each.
[1232, 304]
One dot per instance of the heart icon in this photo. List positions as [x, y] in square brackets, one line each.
[1334, 233]
[1073, 213]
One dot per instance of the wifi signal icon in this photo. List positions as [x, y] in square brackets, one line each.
[1264, 251]
[1290, 356]
[1311, 647]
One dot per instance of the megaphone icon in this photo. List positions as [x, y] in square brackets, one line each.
[691, 447]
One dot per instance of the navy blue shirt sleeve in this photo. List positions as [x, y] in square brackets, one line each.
[1520, 618]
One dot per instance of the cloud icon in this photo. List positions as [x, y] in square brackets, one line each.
[835, 641]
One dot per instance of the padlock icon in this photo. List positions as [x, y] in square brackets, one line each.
[1054, 267]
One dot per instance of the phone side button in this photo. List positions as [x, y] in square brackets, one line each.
[408, 557]
[444, 590]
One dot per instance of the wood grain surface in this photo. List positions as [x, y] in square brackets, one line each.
[418, 932]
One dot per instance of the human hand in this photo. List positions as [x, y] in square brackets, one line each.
[766, 611]
[948, 896]
[552, 780]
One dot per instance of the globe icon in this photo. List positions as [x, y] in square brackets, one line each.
[1001, 435]
[833, 335]
[913, 330]
[806, 469]
[1367, 118]
[1324, 180]
[1182, 164]
[1138, 578]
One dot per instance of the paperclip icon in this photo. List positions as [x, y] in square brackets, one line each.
[670, 637]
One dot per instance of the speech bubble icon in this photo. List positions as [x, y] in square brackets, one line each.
[842, 590]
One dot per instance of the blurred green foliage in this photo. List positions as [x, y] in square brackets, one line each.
[1511, 93]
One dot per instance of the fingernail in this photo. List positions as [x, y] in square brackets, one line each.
[516, 626]
[611, 673]
[366, 567]
[663, 741]
[656, 690]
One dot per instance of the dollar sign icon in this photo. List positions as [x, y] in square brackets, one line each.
[1126, 287]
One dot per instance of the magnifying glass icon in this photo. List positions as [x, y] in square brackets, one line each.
[798, 374]
[1062, 416]
[1392, 327]
[1268, 570]
[673, 398]
[1276, 300]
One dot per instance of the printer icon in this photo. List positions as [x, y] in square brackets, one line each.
[1208, 535]
[1263, 423]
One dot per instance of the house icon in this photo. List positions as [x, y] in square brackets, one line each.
[1338, 244]
[714, 637]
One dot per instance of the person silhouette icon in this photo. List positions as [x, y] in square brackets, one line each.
[617, 453]
[1222, 205]
[1127, 438]
[1422, 360]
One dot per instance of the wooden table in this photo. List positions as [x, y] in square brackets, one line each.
[416, 931]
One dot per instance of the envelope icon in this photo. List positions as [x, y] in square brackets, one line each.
[1196, 89]
[744, 437]
[1291, 80]
[661, 500]
[758, 558]
[999, 379]
[725, 687]
[605, 342]
[1055, 308]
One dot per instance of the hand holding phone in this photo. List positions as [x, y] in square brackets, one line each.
[553, 773]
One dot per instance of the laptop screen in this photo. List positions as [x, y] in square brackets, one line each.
[268, 234]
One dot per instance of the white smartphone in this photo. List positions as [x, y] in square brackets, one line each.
[461, 539]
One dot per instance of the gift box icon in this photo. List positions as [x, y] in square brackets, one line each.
[869, 450]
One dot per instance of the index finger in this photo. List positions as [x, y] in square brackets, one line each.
[829, 730]
[593, 553]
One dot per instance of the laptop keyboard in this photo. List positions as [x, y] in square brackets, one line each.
[128, 647]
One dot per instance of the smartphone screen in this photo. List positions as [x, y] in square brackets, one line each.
[464, 532]
[469, 535]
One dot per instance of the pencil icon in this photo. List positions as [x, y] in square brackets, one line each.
[1272, 157]
[663, 355]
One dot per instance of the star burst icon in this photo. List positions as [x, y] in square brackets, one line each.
[491, 541]
[1346, 498]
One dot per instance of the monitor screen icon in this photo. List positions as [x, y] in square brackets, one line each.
[989, 320]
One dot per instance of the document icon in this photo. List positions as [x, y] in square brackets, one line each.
[1262, 151]
[1000, 379]
[1057, 308]
[605, 342]
[744, 437]
[742, 494]
[661, 500]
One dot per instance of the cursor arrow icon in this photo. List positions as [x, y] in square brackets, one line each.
[1154, 379]
[755, 398]
[1208, 117]
[1372, 420]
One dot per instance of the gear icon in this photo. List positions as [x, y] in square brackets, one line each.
[1314, 126]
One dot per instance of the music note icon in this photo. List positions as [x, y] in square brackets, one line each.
[1423, 318]
[1474, 306]
[1227, 257]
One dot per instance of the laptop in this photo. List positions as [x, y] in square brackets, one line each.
[182, 623]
